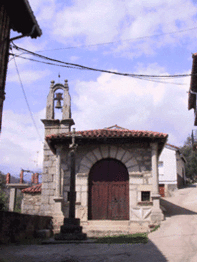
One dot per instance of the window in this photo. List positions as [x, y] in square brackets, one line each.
[145, 196]
[160, 164]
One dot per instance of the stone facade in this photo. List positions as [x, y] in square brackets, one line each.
[137, 151]
[31, 203]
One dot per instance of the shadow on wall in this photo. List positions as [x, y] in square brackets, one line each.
[171, 209]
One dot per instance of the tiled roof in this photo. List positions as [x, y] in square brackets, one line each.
[33, 189]
[109, 133]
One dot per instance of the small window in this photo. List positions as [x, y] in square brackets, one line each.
[160, 164]
[145, 196]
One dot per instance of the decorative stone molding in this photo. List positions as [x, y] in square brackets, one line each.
[140, 213]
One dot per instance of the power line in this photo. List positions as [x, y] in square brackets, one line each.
[99, 70]
[158, 81]
[53, 64]
[28, 106]
[119, 41]
[48, 63]
[38, 61]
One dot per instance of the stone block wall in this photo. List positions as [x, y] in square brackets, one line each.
[136, 158]
[31, 204]
[48, 182]
[15, 227]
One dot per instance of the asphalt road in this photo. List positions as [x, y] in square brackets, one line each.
[175, 240]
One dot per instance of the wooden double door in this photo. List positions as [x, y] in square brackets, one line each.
[108, 191]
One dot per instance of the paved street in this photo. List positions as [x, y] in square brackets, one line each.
[177, 236]
[175, 240]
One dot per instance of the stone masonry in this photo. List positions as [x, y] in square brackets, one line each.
[137, 150]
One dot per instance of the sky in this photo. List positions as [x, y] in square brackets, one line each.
[155, 37]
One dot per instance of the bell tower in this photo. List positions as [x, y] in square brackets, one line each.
[58, 99]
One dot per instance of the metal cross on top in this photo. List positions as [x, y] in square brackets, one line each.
[73, 145]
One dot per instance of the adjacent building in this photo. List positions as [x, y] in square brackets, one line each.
[171, 170]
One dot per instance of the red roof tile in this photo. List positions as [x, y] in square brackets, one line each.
[33, 189]
[109, 133]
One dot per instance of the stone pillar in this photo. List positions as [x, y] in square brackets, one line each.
[36, 178]
[156, 214]
[12, 202]
[72, 185]
[154, 159]
[21, 176]
[32, 178]
[58, 194]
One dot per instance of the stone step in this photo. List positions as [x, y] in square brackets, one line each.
[96, 228]
[70, 236]
[72, 221]
[71, 229]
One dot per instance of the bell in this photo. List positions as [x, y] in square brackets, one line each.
[58, 104]
[58, 98]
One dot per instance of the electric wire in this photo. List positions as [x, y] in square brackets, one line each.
[99, 70]
[53, 64]
[38, 61]
[159, 81]
[28, 106]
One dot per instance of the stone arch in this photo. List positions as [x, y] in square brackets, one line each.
[105, 151]
[66, 108]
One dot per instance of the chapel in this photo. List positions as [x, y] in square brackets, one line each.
[116, 173]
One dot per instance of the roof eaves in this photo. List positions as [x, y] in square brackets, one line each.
[169, 146]
[22, 18]
[33, 189]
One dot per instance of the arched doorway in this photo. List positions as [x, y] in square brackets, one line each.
[108, 196]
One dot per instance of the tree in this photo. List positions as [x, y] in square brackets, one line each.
[3, 193]
[191, 157]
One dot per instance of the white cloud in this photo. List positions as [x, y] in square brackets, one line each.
[134, 104]
[27, 76]
[128, 102]
[20, 145]
[91, 22]
[44, 9]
